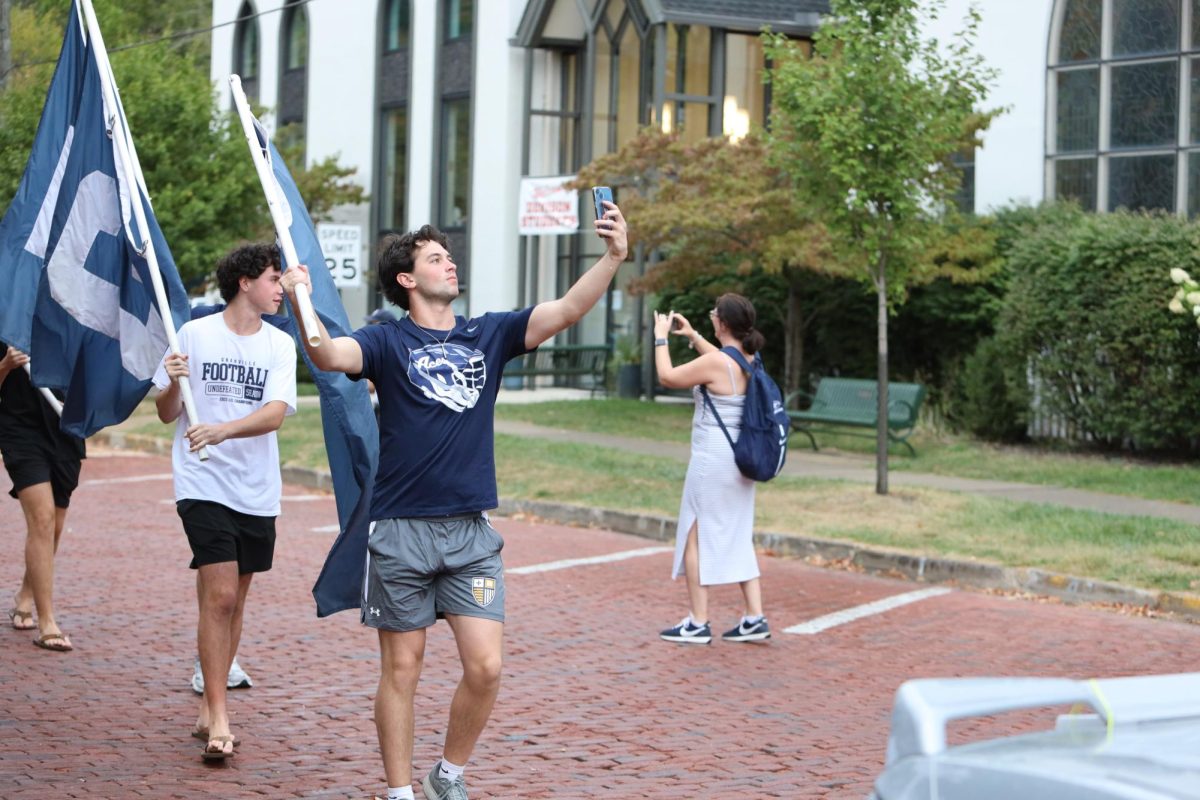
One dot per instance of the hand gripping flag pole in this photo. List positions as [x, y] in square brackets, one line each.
[46, 393]
[127, 162]
[280, 211]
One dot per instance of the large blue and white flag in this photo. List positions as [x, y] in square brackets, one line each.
[351, 433]
[74, 277]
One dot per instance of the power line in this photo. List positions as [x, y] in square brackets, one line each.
[168, 37]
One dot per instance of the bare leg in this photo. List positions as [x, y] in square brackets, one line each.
[235, 635]
[44, 528]
[697, 594]
[752, 595]
[23, 600]
[219, 590]
[401, 656]
[480, 648]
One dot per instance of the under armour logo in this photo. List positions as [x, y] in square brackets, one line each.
[374, 612]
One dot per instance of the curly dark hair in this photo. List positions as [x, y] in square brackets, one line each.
[738, 315]
[396, 255]
[245, 261]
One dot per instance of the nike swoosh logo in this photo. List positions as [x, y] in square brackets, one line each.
[471, 329]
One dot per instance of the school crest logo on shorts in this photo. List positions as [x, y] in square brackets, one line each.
[484, 590]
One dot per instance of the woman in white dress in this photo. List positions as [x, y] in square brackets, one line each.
[714, 541]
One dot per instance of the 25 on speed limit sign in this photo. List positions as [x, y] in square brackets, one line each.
[342, 246]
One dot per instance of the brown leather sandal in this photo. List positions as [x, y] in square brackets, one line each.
[58, 642]
[15, 614]
[220, 754]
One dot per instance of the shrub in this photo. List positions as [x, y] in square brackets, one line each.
[990, 399]
[1087, 311]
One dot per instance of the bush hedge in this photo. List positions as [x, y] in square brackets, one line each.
[1086, 310]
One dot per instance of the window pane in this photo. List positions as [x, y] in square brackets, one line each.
[964, 198]
[297, 46]
[1078, 120]
[1080, 38]
[460, 17]
[613, 12]
[397, 25]
[1194, 102]
[629, 101]
[1145, 26]
[456, 153]
[247, 60]
[745, 94]
[1193, 197]
[1075, 179]
[602, 112]
[394, 155]
[689, 119]
[1144, 104]
[688, 56]
[1137, 182]
[1195, 24]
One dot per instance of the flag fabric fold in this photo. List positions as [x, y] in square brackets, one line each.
[351, 433]
[73, 266]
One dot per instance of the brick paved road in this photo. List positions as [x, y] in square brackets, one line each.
[592, 705]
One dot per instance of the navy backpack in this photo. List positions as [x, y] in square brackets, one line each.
[762, 446]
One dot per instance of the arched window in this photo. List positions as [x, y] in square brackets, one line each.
[396, 24]
[1123, 104]
[245, 50]
[460, 19]
[295, 29]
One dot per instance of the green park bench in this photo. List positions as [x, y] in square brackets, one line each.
[852, 403]
[568, 362]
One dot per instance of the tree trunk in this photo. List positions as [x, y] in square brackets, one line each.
[5, 43]
[881, 428]
[793, 362]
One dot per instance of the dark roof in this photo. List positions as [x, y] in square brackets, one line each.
[785, 16]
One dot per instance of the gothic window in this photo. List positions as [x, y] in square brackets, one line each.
[245, 50]
[1123, 106]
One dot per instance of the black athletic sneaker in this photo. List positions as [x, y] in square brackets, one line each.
[686, 633]
[755, 632]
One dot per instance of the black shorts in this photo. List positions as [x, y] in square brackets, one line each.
[218, 534]
[29, 468]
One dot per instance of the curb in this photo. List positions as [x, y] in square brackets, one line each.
[876, 561]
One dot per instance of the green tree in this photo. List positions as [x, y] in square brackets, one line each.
[867, 128]
[717, 211]
[202, 183]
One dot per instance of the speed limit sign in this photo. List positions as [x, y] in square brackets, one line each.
[342, 246]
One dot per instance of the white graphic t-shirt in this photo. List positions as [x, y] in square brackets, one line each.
[231, 377]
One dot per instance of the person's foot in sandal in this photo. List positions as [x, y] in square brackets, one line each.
[21, 620]
[218, 748]
[56, 641]
[201, 733]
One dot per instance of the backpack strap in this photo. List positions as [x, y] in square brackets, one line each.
[708, 401]
[733, 353]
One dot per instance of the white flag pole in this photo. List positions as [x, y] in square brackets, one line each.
[127, 159]
[46, 393]
[279, 214]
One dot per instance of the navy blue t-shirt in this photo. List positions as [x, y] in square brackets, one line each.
[436, 411]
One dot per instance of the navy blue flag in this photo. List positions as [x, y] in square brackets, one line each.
[74, 277]
[351, 433]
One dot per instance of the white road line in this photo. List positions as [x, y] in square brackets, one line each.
[306, 498]
[580, 562]
[132, 479]
[327, 529]
[858, 612]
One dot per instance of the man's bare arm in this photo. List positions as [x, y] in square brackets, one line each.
[341, 354]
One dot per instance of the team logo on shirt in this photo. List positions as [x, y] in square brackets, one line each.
[451, 374]
[234, 379]
[483, 590]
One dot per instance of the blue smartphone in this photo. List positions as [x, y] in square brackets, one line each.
[599, 195]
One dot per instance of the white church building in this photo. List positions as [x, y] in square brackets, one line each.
[445, 107]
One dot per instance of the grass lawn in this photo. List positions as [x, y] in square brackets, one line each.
[1139, 551]
[938, 454]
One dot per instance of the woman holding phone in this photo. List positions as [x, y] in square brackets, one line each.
[714, 540]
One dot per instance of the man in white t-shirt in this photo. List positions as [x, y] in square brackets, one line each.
[242, 373]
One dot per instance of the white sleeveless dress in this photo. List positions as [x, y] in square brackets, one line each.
[717, 496]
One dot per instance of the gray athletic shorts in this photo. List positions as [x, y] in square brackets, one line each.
[419, 570]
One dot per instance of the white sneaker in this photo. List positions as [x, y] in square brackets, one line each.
[238, 679]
